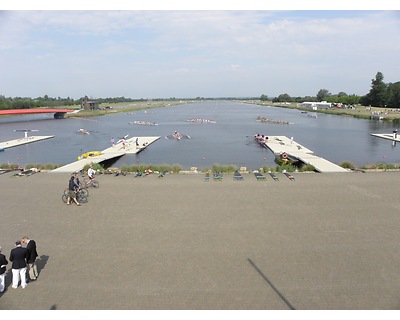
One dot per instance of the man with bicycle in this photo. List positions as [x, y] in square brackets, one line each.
[91, 182]
[91, 173]
[76, 181]
[72, 191]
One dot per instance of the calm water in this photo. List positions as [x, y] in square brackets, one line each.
[228, 141]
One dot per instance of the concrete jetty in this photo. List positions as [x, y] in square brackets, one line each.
[388, 136]
[21, 141]
[115, 151]
[282, 144]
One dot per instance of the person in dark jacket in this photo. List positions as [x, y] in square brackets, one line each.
[3, 263]
[72, 191]
[18, 256]
[32, 254]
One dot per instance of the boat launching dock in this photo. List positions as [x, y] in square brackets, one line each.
[21, 141]
[132, 146]
[281, 144]
[388, 136]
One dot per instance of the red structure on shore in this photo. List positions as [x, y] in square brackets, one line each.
[58, 113]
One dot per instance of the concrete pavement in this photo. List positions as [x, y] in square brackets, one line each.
[322, 242]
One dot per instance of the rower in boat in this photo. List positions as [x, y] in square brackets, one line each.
[261, 139]
[177, 135]
[84, 131]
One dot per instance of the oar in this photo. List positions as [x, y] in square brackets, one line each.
[248, 142]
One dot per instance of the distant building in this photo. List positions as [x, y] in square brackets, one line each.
[323, 105]
[316, 105]
[87, 104]
[308, 104]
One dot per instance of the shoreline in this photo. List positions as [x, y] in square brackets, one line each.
[359, 111]
[227, 169]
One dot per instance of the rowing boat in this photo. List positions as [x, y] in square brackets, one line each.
[266, 120]
[177, 136]
[144, 123]
[261, 140]
[84, 131]
[200, 120]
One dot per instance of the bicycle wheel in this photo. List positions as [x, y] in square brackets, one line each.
[83, 184]
[64, 198]
[95, 184]
[84, 192]
[81, 198]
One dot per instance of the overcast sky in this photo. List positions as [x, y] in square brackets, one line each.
[195, 53]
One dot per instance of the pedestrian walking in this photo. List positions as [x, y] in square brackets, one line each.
[72, 191]
[32, 255]
[18, 257]
[3, 263]
[112, 142]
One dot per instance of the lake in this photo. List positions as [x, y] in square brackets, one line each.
[228, 141]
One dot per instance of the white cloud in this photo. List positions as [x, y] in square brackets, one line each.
[180, 53]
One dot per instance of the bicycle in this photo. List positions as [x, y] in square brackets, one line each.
[81, 196]
[82, 191]
[86, 183]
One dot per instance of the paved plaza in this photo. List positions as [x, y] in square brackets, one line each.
[321, 242]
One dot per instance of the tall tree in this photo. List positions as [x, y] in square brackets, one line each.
[393, 95]
[283, 98]
[376, 96]
[322, 94]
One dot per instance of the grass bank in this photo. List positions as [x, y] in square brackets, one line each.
[362, 112]
[226, 169]
[110, 108]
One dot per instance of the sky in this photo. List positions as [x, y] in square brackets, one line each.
[199, 51]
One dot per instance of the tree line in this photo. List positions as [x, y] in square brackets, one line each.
[48, 102]
[381, 94]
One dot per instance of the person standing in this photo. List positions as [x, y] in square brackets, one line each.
[3, 263]
[32, 255]
[18, 256]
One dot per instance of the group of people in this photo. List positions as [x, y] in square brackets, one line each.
[23, 259]
[266, 120]
[122, 141]
[74, 185]
[261, 138]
